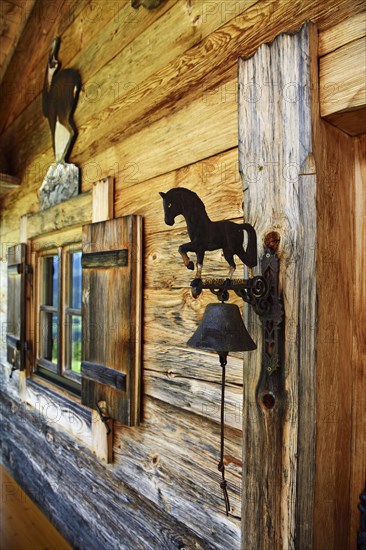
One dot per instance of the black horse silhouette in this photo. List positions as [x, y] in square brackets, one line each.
[208, 235]
[60, 95]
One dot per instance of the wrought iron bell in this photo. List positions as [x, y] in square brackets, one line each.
[222, 330]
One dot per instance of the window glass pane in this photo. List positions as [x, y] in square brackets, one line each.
[75, 280]
[75, 343]
[49, 336]
[50, 281]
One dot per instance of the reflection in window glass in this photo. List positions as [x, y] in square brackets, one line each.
[49, 335]
[50, 281]
[75, 280]
[75, 344]
[74, 315]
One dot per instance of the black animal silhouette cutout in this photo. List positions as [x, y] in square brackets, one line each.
[60, 95]
[206, 234]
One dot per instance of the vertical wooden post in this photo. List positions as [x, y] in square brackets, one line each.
[278, 173]
[102, 210]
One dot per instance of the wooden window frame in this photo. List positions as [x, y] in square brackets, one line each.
[62, 244]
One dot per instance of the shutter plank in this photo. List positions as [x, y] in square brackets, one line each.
[15, 329]
[112, 316]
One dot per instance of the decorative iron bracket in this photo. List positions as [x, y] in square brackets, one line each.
[261, 292]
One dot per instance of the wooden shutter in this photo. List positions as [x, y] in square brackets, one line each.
[15, 329]
[112, 277]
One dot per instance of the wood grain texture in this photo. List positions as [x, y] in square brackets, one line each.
[275, 141]
[22, 523]
[175, 458]
[81, 489]
[103, 200]
[76, 211]
[358, 449]
[335, 326]
[342, 83]
[346, 31]
[241, 34]
[111, 329]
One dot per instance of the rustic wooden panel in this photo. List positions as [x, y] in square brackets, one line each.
[94, 46]
[348, 30]
[31, 50]
[81, 489]
[112, 315]
[192, 363]
[153, 151]
[342, 83]
[358, 449]
[186, 25]
[275, 135]
[215, 179]
[198, 396]
[75, 22]
[175, 460]
[149, 101]
[335, 333]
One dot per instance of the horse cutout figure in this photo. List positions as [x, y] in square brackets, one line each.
[206, 234]
[60, 95]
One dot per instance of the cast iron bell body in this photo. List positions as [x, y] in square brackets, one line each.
[222, 330]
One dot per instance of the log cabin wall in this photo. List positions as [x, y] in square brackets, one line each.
[158, 109]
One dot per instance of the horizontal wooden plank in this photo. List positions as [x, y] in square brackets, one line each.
[153, 151]
[215, 179]
[351, 28]
[173, 462]
[191, 364]
[181, 82]
[198, 396]
[103, 375]
[82, 489]
[127, 64]
[76, 211]
[60, 410]
[103, 260]
[351, 122]
[342, 82]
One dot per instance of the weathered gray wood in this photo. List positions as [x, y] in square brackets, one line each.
[275, 147]
[66, 481]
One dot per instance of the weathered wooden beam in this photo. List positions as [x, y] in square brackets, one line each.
[83, 490]
[78, 211]
[275, 156]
